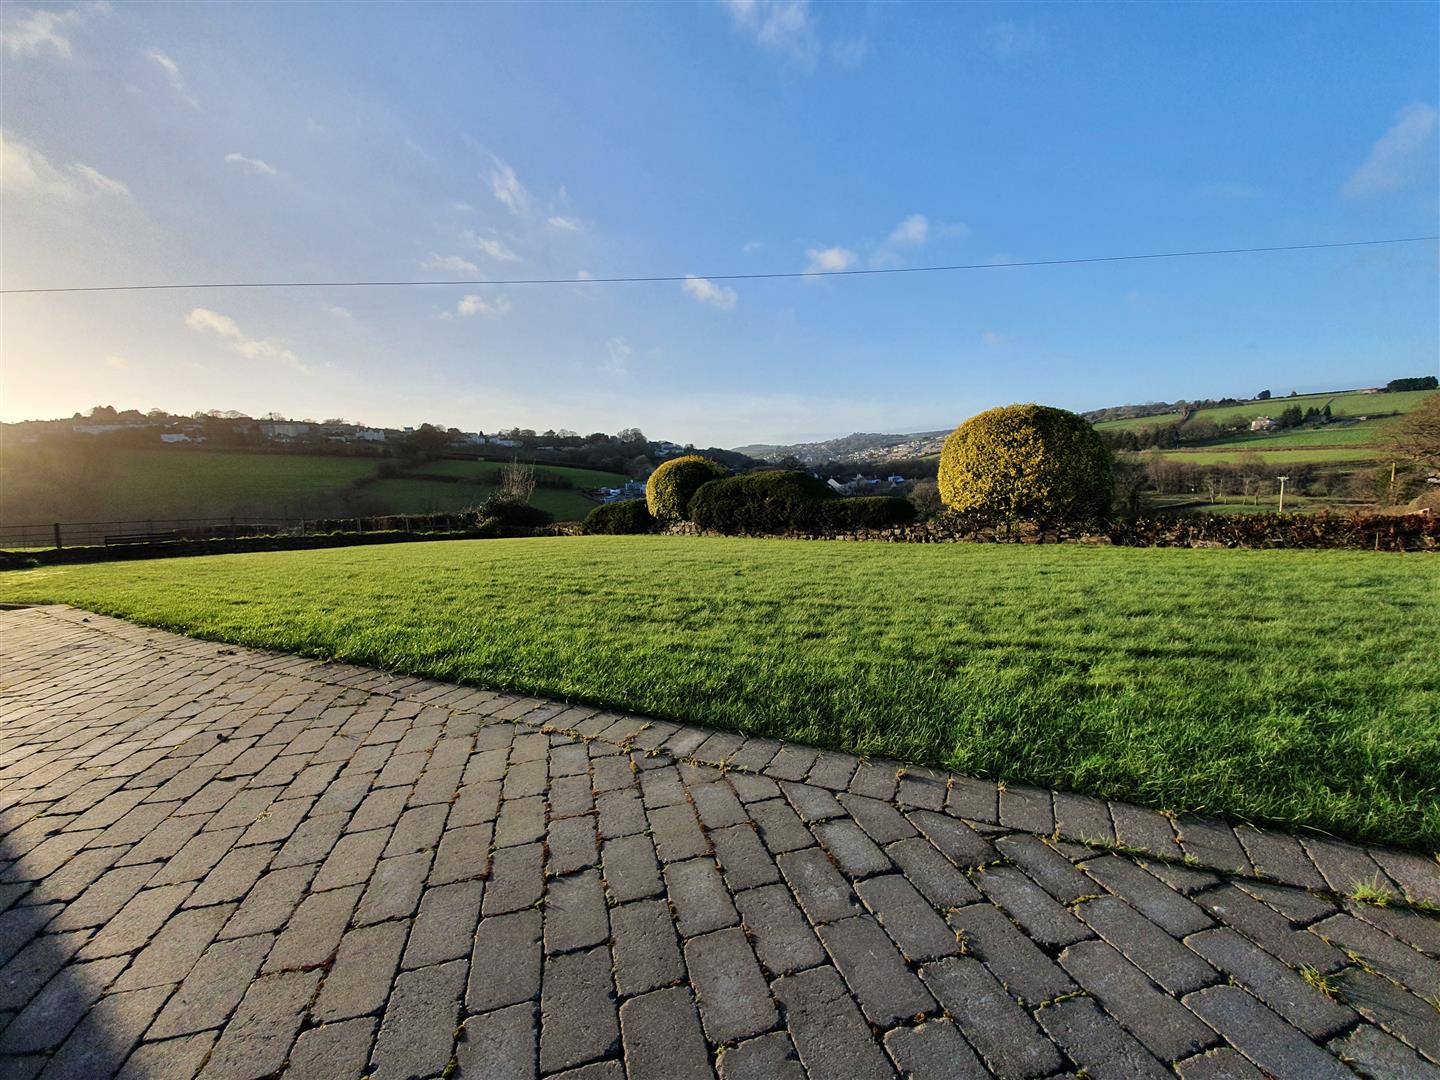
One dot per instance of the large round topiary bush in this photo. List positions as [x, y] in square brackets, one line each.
[672, 484]
[1027, 463]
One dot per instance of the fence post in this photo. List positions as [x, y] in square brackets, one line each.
[359, 527]
[58, 544]
[232, 526]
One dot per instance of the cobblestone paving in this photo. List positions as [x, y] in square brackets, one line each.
[227, 863]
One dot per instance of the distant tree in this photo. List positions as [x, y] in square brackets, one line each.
[1263, 395]
[517, 480]
[1417, 438]
[1425, 382]
[426, 441]
[1325, 412]
[1290, 417]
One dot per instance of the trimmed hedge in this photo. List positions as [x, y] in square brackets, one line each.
[1367, 532]
[1027, 463]
[627, 517]
[868, 512]
[507, 513]
[763, 502]
[672, 485]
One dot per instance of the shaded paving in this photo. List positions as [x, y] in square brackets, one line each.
[219, 862]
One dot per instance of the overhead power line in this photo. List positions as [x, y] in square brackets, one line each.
[639, 279]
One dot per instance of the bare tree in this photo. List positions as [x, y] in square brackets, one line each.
[517, 480]
[1418, 436]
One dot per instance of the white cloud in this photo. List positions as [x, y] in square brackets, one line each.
[564, 224]
[783, 26]
[618, 353]
[205, 321]
[252, 166]
[1009, 39]
[38, 31]
[753, 246]
[508, 189]
[831, 259]
[990, 339]
[912, 232]
[496, 249]
[1397, 156]
[339, 312]
[474, 304]
[707, 292]
[29, 172]
[172, 72]
[453, 263]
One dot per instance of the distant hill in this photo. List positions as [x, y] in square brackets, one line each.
[858, 448]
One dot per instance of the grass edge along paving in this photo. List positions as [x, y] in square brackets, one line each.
[1289, 688]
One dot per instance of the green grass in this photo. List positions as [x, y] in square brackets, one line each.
[135, 484]
[92, 481]
[1295, 688]
[406, 495]
[1403, 401]
[583, 479]
[1357, 455]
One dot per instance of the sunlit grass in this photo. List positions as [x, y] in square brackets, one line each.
[1295, 687]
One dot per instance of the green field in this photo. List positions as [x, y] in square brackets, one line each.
[1355, 442]
[1356, 455]
[92, 481]
[583, 479]
[406, 495]
[1296, 688]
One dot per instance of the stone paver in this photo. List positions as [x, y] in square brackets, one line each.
[218, 862]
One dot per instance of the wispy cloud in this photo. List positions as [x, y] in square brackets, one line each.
[495, 249]
[753, 246]
[453, 263]
[251, 166]
[829, 259]
[35, 32]
[912, 232]
[990, 339]
[707, 292]
[790, 28]
[205, 321]
[618, 354]
[172, 72]
[1398, 156]
[1009, 39]
[508, 189]
[475, 304]
[564, 224]
[28, 172]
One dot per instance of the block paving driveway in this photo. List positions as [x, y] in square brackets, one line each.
[218, 862]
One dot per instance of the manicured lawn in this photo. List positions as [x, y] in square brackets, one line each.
[1312, 455]
[1297, 688]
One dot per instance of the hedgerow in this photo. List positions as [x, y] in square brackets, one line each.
[763, 502]
[627, 517]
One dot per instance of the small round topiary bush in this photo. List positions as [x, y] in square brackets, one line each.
[672, 484]
[763, 502]
[627, 517]
[1027, 463]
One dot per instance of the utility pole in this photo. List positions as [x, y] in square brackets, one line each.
[1282, 480]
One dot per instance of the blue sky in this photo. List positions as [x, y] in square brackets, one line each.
[159, 143]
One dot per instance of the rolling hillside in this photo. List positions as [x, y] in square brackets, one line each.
[94, 482]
